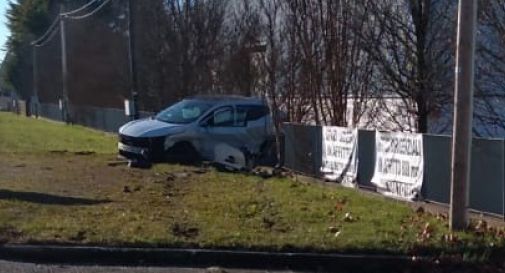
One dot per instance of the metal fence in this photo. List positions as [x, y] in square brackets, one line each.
[101, 118]
[487, 185]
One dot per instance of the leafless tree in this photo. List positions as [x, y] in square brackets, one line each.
[490, 80]
[411, 43]
[320, 65]
[240, 72]
[181, 46]
[271, 12]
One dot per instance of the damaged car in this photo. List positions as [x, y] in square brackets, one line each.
[234, 131]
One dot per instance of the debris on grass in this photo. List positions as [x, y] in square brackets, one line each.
[420, 210]
[140, 164]
[80, 236]
[481, 227]
[426, 233]
[182, 175]
[268, 172]
[337, 233]
[185, 230]
[129, 189]
[349, 218]
[60, 152]
[9, 233]
[85, 153]
[170, 177]
[341, 204]
[268, 222]
[117, 163]
[333, 229]
[442, 217]
[201, 171]
[263, 173]
[450, 238]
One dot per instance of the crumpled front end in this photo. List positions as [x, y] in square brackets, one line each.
[144, 148]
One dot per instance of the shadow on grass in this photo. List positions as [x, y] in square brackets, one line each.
[48, 199]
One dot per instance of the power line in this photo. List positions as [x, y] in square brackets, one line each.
[47, 33]
[55, 23]
[80, 8]
[89, 14]
[49, 38]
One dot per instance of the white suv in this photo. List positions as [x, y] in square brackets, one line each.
[200, 128]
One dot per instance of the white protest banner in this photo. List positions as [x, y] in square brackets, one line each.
[340, 147]
[399, 164]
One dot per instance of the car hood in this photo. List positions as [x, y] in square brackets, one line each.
[150, 127]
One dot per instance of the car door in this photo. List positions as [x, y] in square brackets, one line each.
[255, 125]
[223, 126]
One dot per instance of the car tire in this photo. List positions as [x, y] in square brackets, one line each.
[267, 155]
[183, 153]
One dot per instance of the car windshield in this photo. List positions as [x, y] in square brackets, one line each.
[183, 112]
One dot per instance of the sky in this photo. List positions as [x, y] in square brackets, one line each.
[4, 32]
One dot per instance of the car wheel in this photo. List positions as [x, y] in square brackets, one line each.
[183, 153]
[268, 154]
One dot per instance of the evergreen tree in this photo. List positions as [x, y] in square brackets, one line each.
[27, 19]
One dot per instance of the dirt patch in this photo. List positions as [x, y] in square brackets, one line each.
[85, 153]
[79, 236]
[9, 234]
[62, 172]
[58, 152]
[185, 230]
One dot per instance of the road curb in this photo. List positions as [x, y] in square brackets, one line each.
[206, 258]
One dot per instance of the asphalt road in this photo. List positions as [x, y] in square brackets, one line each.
[15, 267]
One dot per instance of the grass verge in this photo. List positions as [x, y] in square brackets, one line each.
[66, 197]
[23, 135]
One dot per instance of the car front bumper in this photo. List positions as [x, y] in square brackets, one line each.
[142, 148]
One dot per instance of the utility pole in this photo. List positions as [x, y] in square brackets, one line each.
[463, 113]
[35, 99]
[131, 57]
[64, 69]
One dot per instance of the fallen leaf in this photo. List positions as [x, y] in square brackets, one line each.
[348, 217]
[333, 229]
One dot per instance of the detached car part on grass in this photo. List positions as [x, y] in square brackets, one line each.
[231, 131]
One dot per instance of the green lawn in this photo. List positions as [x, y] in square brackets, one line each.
[70, 198]
[22, 135]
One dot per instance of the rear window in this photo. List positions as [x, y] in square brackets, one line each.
[251, 112]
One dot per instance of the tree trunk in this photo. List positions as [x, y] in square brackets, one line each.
[422, 116]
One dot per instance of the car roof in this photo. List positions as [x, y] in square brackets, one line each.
[223, 99]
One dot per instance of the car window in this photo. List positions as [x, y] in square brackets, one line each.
[241, 116]
[228, 117]
[223, 117]
[183, 112]
[257, 112]
[250, 112]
